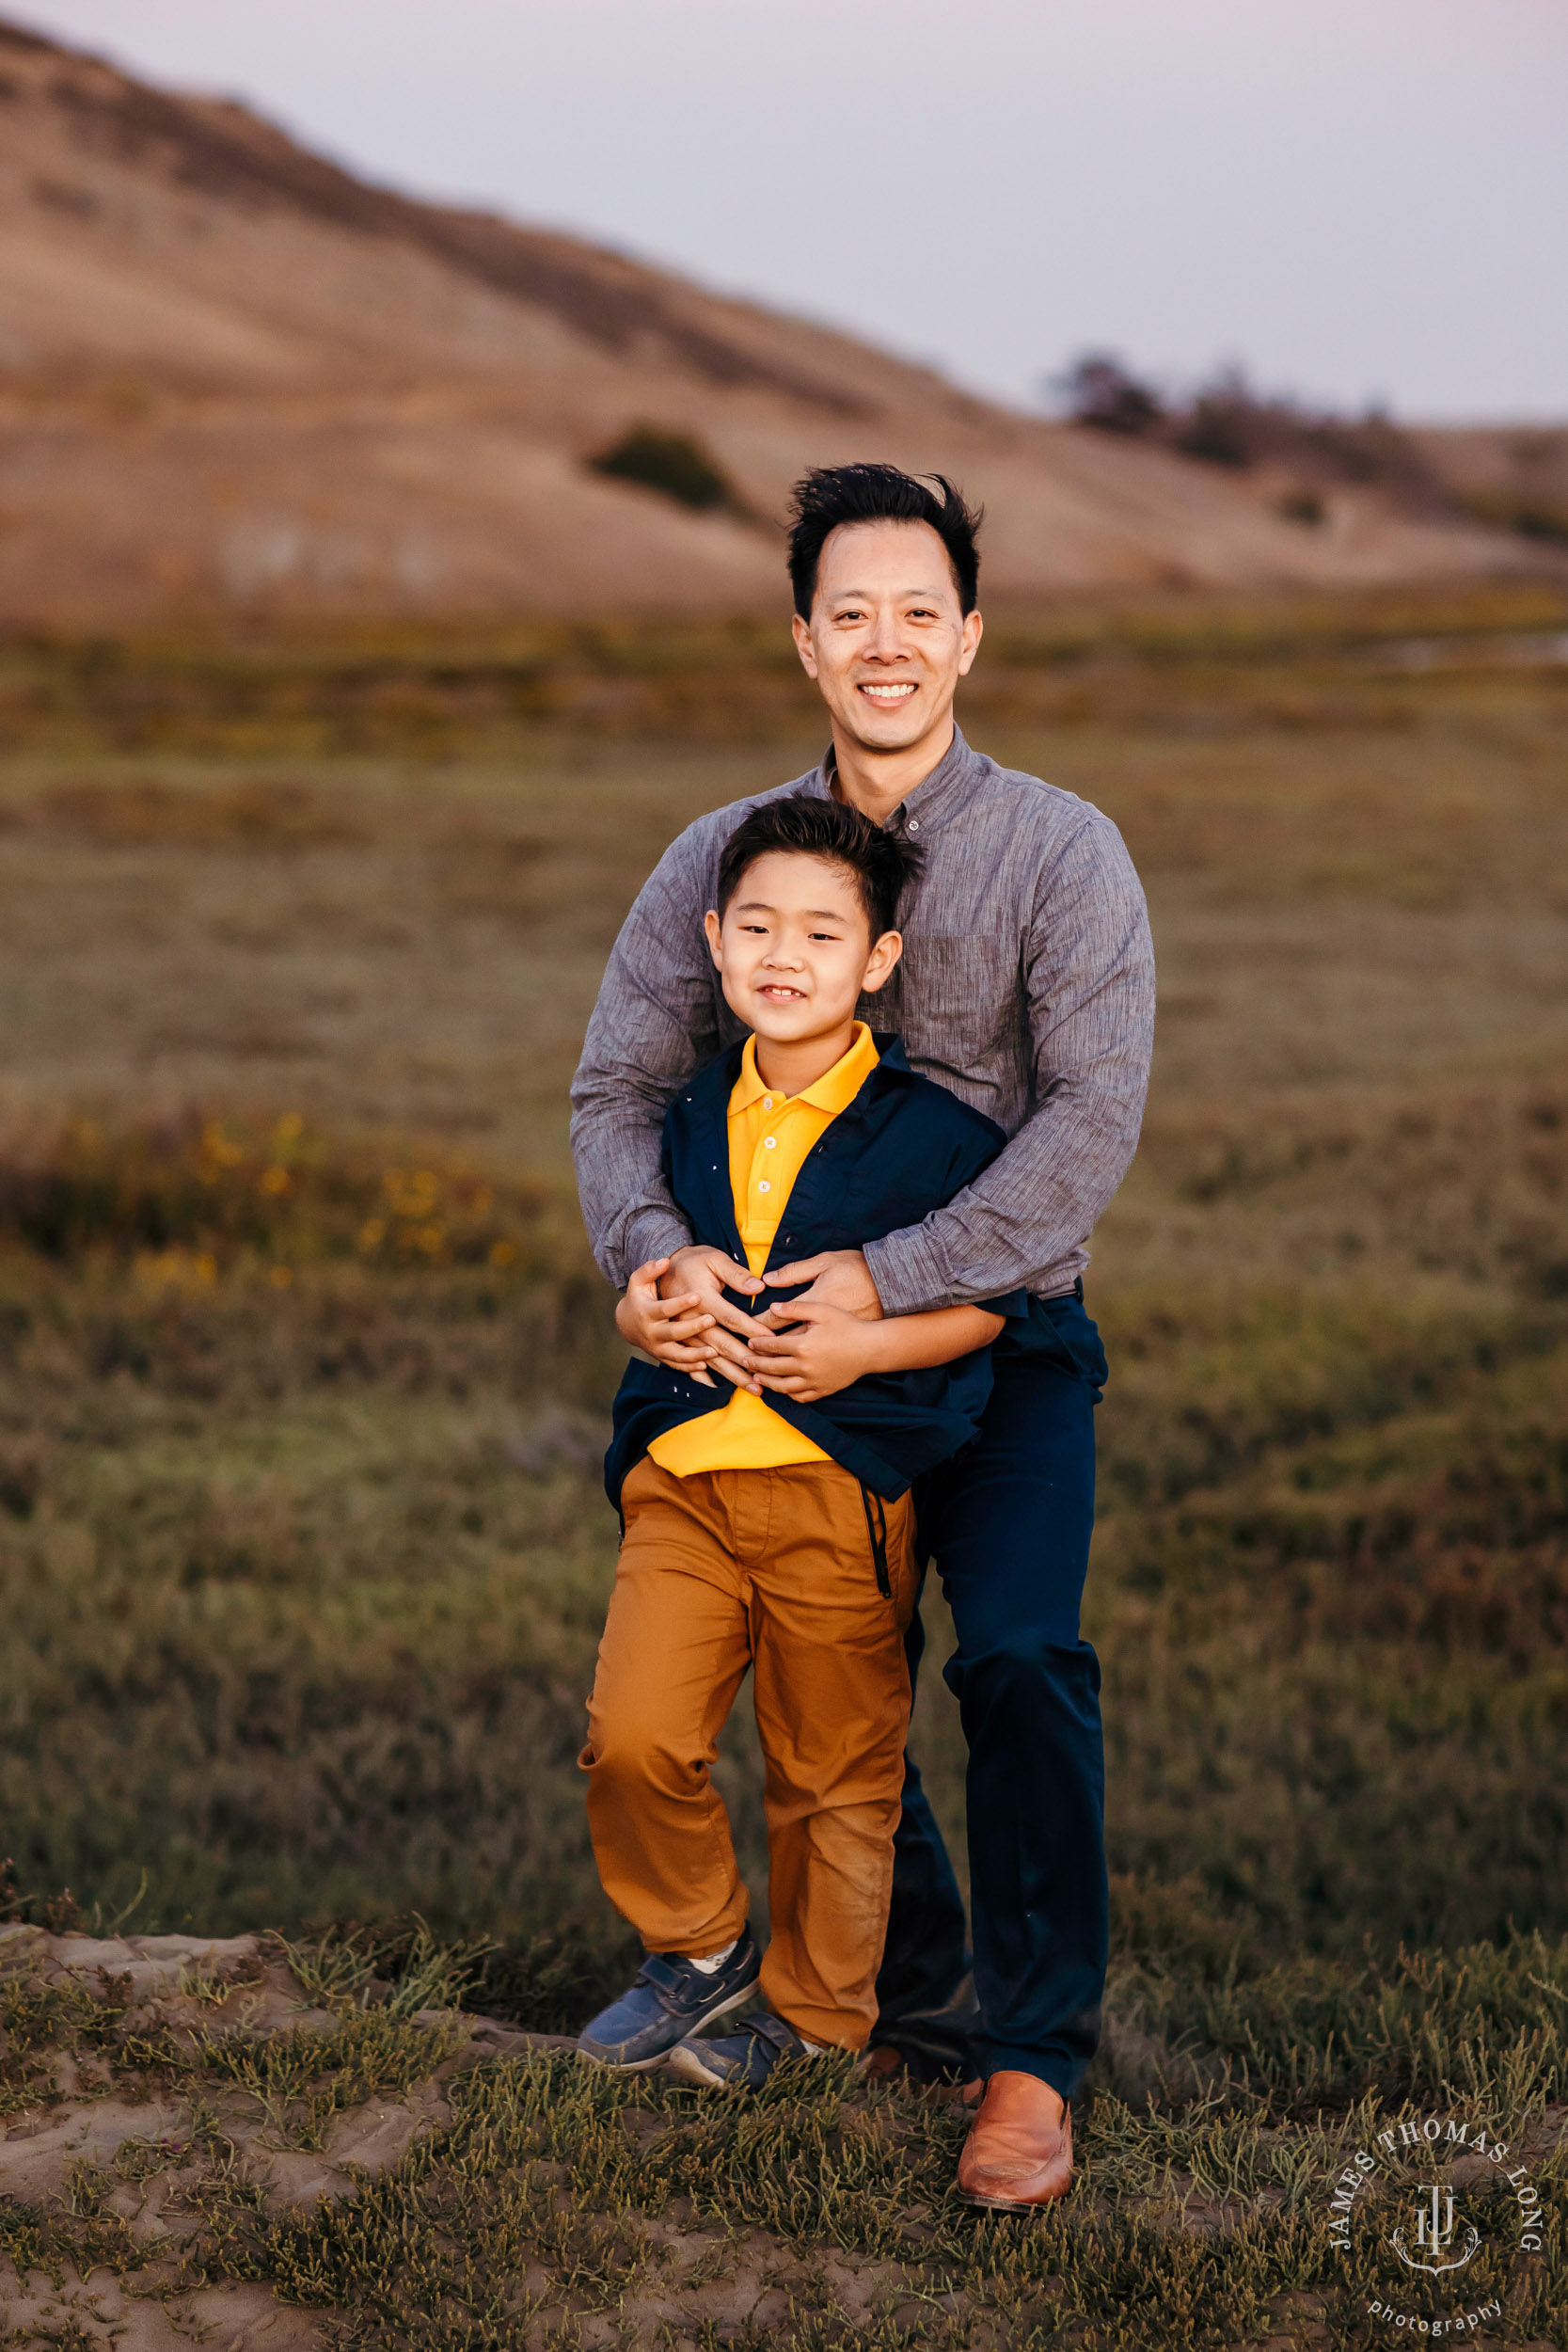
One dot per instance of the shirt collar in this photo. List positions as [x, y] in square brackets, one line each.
[951, 783]
[832, 1092]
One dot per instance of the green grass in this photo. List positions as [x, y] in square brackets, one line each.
[820, 2212]
[303, 1374]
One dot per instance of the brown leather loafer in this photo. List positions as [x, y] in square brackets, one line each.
[1019, 2152]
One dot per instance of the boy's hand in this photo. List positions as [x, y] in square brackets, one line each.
[838, 1278]
[672, 1330]
[808, 1350]
[704, 1274]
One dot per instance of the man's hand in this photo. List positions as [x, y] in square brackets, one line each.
[819, 1349]
[839, 1278]
[703, 1274]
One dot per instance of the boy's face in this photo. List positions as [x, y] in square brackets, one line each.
[794, 950]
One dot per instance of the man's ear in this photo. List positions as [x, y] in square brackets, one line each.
[710, 924]
[973, 629]
[884, 955]
[804, 646]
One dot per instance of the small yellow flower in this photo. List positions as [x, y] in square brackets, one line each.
[274, 1180]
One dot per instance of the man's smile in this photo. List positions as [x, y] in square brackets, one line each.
[892, 690]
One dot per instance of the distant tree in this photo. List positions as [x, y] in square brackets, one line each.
[1227, 423]
[1099, 391]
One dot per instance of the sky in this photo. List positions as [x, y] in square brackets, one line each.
[1359, 201]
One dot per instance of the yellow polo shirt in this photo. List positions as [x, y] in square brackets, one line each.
[769, 1138]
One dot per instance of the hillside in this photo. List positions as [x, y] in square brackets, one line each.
[233, 376]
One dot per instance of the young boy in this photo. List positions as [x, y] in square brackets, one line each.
[771, 1526]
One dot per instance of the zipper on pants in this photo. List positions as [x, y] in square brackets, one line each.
[877, 1529]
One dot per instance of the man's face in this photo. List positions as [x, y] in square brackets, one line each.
[794, 949]
[886, 641]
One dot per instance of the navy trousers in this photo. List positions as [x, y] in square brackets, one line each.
[1006, 1524]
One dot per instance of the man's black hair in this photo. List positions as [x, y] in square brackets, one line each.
[882, 863]
[880, 494]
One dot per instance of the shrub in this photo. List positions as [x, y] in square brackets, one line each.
[674, 464]
[1531, 518]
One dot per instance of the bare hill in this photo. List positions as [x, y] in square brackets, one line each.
[233, 375]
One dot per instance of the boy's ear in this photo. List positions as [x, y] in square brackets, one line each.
[710, 924]
[884, 955]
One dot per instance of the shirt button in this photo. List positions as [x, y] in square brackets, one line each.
[765, 1186]
[767, 1102]
[770, 1143]
[915, 824]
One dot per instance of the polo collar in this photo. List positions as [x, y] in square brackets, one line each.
[832, 1092]
[708, 1090]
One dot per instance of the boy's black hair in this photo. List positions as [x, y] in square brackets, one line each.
[882, 862]
[831, 495]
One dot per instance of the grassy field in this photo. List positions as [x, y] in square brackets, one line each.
[305, 1372]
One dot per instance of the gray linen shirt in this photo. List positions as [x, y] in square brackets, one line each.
[1026, 986]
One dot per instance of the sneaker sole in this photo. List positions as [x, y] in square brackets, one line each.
[690, 2067]
[662, 2057]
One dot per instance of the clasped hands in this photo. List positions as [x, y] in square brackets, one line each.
[674, 1310]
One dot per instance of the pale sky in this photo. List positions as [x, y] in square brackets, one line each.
[1358, 199]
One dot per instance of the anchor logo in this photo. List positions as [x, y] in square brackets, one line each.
[1435, 2233]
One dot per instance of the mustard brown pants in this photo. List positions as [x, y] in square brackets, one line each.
[772, 1569]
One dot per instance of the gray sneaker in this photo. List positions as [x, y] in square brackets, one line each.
[669, 1998]
[743, 2057]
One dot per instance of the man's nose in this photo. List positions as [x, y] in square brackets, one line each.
[885, 643]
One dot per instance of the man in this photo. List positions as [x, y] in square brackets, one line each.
[1026, 987]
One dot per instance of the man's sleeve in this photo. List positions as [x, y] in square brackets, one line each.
[652, 1027]
[1089, 976]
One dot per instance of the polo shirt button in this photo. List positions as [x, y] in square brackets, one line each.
[770, 1143]
[765, 1186]
[767, 1102]
[915, 824]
